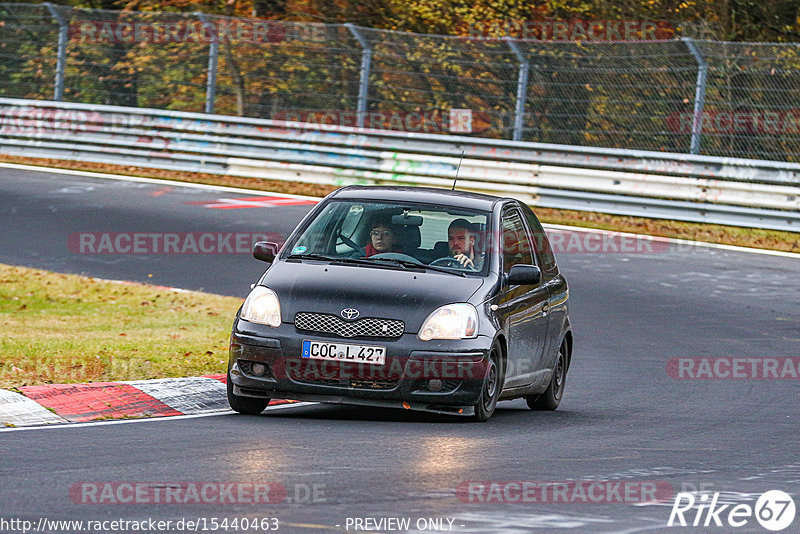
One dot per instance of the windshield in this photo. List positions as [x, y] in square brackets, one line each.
[394, 233]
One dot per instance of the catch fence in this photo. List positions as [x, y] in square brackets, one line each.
[680, 95]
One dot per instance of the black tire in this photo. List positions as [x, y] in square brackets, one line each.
[551, 398]
[245, 405]
[492, 385]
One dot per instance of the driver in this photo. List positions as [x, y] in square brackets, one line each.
[383, 238]
[461, 240]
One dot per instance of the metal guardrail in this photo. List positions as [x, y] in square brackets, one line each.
[749, 193]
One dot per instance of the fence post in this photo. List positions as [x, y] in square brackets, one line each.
[363, 84]
[213, 52]
[699, 94]
[61, 60]
[522, 88]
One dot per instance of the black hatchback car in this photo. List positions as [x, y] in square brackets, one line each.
[415, 298]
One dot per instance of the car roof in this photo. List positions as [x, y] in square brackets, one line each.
[429, 195]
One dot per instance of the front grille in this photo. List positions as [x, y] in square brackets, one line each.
[374, 384]
[306, 378]
[314, 378]
[331, 324]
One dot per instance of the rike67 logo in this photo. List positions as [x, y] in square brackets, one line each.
[774, 510]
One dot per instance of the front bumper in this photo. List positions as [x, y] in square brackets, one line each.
[404, 381]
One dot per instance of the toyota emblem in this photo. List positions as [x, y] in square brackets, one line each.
[349, 313]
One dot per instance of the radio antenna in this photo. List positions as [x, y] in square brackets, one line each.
[457, 169]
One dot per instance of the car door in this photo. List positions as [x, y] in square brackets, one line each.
[522, 309]
[556, 286]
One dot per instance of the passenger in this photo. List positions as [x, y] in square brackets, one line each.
[461, 240]
[383, 238]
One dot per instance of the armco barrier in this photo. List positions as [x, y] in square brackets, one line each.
[738, 192]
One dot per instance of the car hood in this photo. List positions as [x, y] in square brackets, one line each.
[375, 292]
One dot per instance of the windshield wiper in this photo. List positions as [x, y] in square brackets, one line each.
[320, 257]
[376, 262]
[347, 261]
[414, 265]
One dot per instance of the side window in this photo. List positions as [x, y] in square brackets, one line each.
[540, 242]
[516, 246]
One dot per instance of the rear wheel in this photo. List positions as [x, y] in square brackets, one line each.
[245, 405]
[492, 384]
[551, 398]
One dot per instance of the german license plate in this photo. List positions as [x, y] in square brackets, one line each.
[322, 350]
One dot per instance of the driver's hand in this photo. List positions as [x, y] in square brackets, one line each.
[464, 260]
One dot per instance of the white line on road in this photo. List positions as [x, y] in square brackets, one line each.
[156, 181]
[149, 419]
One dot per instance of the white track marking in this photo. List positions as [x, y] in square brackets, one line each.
[17, 409]
[156, 181]
[150, 419]
[190, 396]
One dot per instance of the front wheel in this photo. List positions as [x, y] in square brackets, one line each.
[492, 384]
[245, 405]
[551, 398]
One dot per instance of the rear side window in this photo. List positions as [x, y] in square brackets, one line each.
[540, 242]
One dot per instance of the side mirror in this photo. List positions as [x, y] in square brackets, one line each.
[265, 251]
[524, 275]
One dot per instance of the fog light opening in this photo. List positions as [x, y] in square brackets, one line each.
[258, 369]
[435, 384]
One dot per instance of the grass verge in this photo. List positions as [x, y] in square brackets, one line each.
[63, 328]
[711, 233]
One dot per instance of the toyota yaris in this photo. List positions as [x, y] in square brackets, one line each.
[415, 298]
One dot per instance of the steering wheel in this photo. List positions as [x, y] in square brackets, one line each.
[449, 261]
[352, 244]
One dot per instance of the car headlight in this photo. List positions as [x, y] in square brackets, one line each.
[454, 321]
[262, 306]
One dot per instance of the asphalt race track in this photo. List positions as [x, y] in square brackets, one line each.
[624, 422]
